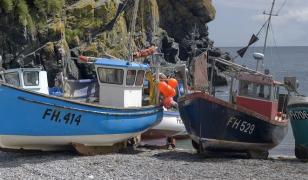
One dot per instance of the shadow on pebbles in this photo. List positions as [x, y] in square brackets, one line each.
[143, 163]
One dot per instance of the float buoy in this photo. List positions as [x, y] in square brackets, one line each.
[168, 91]
[145, 52]
[173, 82]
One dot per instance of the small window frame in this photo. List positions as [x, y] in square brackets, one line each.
[38, 78]
[141, 80]
[132, 79]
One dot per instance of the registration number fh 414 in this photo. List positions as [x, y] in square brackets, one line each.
[59, 116]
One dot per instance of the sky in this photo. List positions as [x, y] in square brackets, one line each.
[237, 20]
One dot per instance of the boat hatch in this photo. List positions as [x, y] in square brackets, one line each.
[120, 82]
[33, 79]
[259, 95]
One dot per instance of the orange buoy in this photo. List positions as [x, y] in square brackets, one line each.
[162, 86]
[166, 89]
[173, 82]
[172, 92]
[168, 102]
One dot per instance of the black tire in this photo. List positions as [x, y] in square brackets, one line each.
[257, 154]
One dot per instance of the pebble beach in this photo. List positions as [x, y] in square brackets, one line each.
[146, 164]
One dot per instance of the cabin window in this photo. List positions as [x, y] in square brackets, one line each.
[260, 91]
[140, 77]
[130, 77]
[111, 76]
[31, 78]
[12, 78]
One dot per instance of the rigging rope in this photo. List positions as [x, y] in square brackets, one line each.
[282, 6]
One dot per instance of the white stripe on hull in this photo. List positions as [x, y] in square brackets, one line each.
[53, 143]
[298, 100]
[171, 124]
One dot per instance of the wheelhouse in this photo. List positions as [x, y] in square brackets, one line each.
[33, 79]
[121, 82]
[259, 93]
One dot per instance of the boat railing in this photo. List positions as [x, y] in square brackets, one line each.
[235, 69]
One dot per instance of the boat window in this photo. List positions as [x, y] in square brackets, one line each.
[140, 77]
[31, 78]
[255, 90]
[12, 78]
[111, 76]
[130, 77]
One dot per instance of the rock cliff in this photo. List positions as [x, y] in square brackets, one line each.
[47, 33]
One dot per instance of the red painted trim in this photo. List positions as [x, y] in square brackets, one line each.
[264, 107]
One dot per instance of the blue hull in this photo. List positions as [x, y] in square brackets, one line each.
[29, 114]
[217, 125]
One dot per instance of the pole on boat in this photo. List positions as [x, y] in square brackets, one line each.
[212, 90]
[267, 29]
[157, 66]
[132, 31]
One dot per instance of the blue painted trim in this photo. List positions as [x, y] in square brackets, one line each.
[119, 63]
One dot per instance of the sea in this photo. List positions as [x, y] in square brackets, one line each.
[282, 62]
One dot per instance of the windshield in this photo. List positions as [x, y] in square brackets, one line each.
[12, 78]
[111, 76]
[255, 90]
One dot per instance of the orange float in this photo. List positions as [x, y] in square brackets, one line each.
[173, 82]
[145, 52]
[168, 102]
[166, 89]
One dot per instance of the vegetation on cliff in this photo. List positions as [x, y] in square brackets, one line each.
[80, 27]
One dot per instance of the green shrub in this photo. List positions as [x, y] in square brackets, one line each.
[7, 5]
[22, 11]
[46, 7]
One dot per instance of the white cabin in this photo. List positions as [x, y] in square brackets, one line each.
[120, 82]
[33, 79]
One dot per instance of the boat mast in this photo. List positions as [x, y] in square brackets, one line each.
[267, 29]
[132, 31]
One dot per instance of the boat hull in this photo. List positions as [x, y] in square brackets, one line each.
[217, 125]
[298, 113]
[40, 122]
[170, 126]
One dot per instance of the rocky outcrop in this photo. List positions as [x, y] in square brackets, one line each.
[48, 33]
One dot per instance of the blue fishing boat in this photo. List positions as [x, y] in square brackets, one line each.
[37, 121]
[298, 114]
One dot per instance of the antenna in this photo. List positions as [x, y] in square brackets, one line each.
[270, 14]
